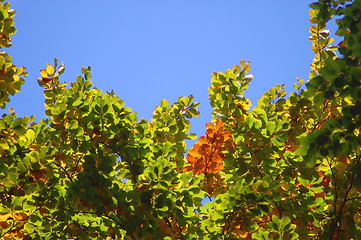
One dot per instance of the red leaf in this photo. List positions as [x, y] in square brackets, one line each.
[46, 80]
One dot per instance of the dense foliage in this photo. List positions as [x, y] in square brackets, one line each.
[289, 168]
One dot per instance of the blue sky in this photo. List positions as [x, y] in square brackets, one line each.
[148, 50]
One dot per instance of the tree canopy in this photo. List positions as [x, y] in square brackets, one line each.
[287, 168]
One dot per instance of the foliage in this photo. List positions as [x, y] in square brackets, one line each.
[10, 75]
[289, 168]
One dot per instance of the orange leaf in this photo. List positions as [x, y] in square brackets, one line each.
[20, 216]
[207, 156]
[342, 44]
[344, 160]
[4, 216]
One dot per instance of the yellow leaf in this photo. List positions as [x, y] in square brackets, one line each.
[4, 216]
[49, 69]
[44, 73]
[3, 144]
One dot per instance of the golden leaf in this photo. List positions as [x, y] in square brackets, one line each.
[4, 216]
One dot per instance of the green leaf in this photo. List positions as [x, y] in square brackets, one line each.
[12, 176]
[191, 136]
[18, 122]
[2, 125]
[278, 141]
[257, 123]
[20, 130]
[22, 167]
[322, 139]
[30, 135]
[250, 120]
[73, 124]
[276, 219]
[284, 222]
[194, 112]
[3, 144]
[77, 103]
[88, 75]
[56, 110]
[303, 181]
[185, 101]
[186, 177]
[271, 126]
[80, 132]
[315, 5]
[29, 228]
[194, 105]
[164, 103]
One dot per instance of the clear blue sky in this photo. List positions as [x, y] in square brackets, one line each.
[160, 49]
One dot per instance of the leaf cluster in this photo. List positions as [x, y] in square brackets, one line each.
[288, 168]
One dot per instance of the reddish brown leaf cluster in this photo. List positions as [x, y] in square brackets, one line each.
[17, 219]
[207, 155]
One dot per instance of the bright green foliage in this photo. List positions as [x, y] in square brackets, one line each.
[93, 170]
[10, 75]
[289, 168]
